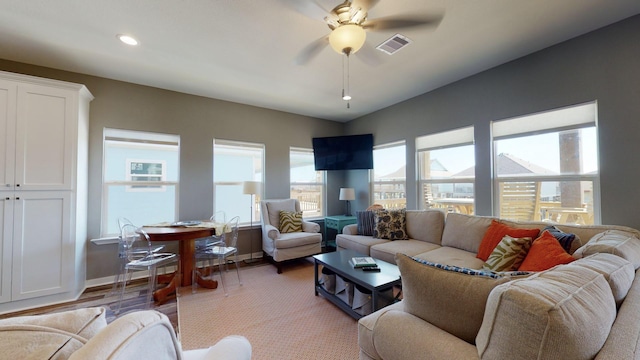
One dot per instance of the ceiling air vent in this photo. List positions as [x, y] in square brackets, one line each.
[394, 44]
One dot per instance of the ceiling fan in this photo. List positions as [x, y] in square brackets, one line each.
[349, 23]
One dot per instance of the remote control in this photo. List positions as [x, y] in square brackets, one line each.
[371, 268]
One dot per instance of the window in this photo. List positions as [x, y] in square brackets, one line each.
[234, 163]
[446, 168]
[307, 184]
[388, 177]
[140, 178]
[546, 166]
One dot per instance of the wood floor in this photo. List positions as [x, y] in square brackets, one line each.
[133, 300]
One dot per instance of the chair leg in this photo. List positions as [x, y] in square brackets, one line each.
[153, 272]
[221, 261]
[238, 269]
[124, 285]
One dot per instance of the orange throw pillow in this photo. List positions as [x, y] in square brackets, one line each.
[496, 232]
[545, 253]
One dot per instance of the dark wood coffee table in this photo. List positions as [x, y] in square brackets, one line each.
[376, 282]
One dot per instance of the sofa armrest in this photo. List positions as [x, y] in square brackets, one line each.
[232, 347]
[351, 229]
[310, 227]
[271, 231]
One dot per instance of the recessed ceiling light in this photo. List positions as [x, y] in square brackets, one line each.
[128, 40]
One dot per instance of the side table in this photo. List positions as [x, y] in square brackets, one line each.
[336, 222]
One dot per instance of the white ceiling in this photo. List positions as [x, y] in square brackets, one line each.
[246, 51]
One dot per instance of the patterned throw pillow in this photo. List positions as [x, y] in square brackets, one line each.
[390, 224]
[565, 239]
[508, 254]
[496, 232]
[290, 221]
[366, 221]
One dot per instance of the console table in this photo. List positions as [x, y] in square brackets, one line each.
[337, 222]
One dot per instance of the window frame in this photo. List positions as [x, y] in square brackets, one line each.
[131, 138]
[574, 117]
[322, 184]
[448, 139]
[395, 183]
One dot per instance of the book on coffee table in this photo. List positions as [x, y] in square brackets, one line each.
[362, 261]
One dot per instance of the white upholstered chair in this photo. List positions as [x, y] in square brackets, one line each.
[281, 247]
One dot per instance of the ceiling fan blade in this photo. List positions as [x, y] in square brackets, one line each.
[368, 55]
[311, 9]
[397, 23]
[312, 50]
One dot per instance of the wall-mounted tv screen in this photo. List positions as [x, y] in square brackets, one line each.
[343, 152]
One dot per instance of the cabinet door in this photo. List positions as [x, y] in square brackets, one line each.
[7, 133]
[6, 234]
[45, 133]
[43, 248]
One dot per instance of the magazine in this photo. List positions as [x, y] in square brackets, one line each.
[362, 261]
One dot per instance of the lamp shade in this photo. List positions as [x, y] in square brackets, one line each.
[347, 194]
[251, 187]
[347, 36]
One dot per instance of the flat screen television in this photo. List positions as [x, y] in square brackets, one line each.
[343, 152]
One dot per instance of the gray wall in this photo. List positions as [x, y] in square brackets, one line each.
[601, 65]
[197, 120]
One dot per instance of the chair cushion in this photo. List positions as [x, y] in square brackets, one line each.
[496, 232]
[508, 254]
[615, 242]
[545, 253]
[449, 299]
[295, 239]
[275, 206]
[290, 221]
[563, 313]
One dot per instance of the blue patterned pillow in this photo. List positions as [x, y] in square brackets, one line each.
[473, 272]
[565, 239]
[366, 220]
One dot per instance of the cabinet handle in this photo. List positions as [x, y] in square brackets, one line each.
[7, 198]
[17, 198]
[17, 185]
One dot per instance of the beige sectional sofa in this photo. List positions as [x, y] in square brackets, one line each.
[587, 309]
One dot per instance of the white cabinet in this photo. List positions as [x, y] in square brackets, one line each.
[43, 190]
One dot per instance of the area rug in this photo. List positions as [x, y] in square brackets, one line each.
[278, 313]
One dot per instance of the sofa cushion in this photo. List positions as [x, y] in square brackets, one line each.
[618, 272]
[451, 300]
[49, 336]
[425, 225]
[366, 221]
[452, 256]
[359, 243]
[616, 242]
[496, 232]
[508, 254]
[387, 251]
[82, 322]
[545, 253]
[465, 231]
[564, 313]
[390, 224]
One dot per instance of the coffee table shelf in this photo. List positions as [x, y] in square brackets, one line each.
[376, 282]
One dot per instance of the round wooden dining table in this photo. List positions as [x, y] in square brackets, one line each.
[186, 237]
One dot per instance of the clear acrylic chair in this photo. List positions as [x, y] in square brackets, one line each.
[133, 260]
[218, 248]
[122, 276]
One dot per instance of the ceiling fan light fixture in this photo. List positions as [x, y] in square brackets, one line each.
[127, 39]
[347, 36]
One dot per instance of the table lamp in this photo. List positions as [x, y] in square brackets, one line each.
[251, 188]
[347, 194]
